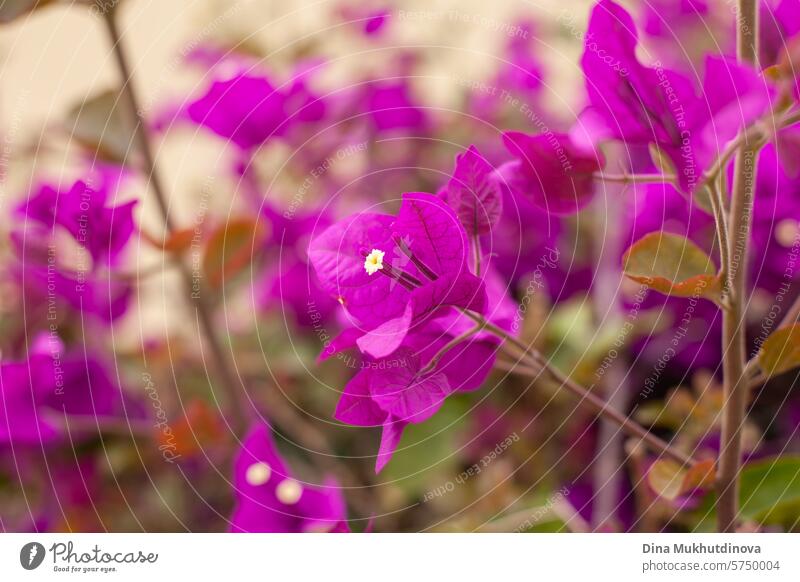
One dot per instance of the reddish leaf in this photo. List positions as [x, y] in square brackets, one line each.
[200, 428]
[665, 478]
[670, 479]
[231, 248]
[178, 241]
[672, 265]
[701, 475]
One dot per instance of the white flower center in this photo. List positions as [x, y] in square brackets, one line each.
[258, 474]
[374, 262]
[786, 232]
[289, 491]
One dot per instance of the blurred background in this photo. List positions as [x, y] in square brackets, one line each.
[406, 86]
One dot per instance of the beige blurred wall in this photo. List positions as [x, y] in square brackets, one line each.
[53, 59]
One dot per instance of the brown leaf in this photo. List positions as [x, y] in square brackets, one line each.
[670, 479]
[673, 265]
[178, 241]
[231, 248]
[780, 352]
[100, 125]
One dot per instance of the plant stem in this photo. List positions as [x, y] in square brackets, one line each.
[735, 385]
[236, 396]
[476, 247]
[534, 362]
[718, 206]
[431, 365]
[635, 178]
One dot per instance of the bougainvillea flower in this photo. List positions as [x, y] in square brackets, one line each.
[289, 284]
[392, 273]
[409, 387]
[474, 192]
[779, 21]
[270, 500]
[639, 104]
[68, 240]
[38, 395]
[665, 17]
[391, 107]
[248, 110]
[84, 211]
[551, 170]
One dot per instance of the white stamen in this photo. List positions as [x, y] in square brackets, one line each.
[786, 232]
[258, 474]
[374, 261]
[289, 491]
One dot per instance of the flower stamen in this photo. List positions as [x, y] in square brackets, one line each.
[373, 262]
[406, 250]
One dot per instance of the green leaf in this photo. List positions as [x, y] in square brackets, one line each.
[702, 199]
[662, 161]
[673, 265]
[100, 125]
[231, 248]
[11, 9]
[665, 478]
[780, 352]
[670, 479]
[770, 490]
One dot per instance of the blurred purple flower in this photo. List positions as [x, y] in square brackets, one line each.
[551, 170]
[269, 499]
[640, 105]
[473, 192]
[58, 222]
[84, 211]
[392, 108]
[40, 394]
[248, 110]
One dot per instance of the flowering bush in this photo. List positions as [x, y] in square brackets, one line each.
[537, 300]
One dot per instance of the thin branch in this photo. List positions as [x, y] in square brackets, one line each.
[735, 384]
[587, 399]
[236, 396]
[431, 365]
[635, 178]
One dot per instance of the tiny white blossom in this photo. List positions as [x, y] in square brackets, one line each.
[374, 262]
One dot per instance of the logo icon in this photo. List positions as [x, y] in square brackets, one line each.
[31, 555]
